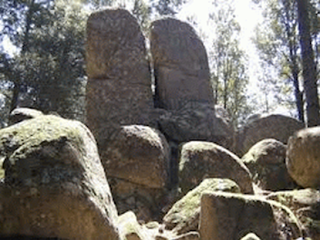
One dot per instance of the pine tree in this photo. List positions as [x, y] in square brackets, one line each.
[309, 67]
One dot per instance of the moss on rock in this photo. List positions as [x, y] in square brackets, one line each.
[184, 215]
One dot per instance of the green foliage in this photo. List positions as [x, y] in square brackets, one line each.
[276, 40]
[143, 13]
[48, 72]
[167, 7]
[229, 74]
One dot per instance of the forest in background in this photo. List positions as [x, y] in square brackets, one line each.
[47, 69]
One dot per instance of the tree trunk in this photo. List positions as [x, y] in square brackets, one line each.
[290, 26]
[309, 67]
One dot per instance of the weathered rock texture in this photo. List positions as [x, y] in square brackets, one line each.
[129, 227]
[226, 216]
[138, 169]
[145, 202]
[20, 114]
[274, 126]
[303, 157]
[180, 65]
[54, 185]
[183, 87]
[138, 154]
[305, 204]
[184, 214]
[200, 160]
[119, 80]
[196, 121]
[266, 161]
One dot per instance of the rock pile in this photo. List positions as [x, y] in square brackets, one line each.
[168, 167]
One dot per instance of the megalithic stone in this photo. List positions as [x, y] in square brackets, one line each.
[119, 79]
[180, 65]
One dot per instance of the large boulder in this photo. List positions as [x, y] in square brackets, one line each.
[119, 80]
[180, 65]
[183, 87]
[184, 214]
[147, 203]
[196, 121]
[226, 216]
[137, 164]
[303, 157]
[266, 161]
[54, 185]
[305, 204]
[138, 154]
[200, 160]
[261, 127]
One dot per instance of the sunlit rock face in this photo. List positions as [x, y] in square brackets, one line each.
[303, 157]
[227, 216]
[200, 160]
[259, 127]
[180, 65]
[54, 184]
[119, 80]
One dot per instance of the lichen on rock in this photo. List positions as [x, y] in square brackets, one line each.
[54, 184]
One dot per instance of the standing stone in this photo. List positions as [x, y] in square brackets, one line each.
[180, 64]
[119, 80]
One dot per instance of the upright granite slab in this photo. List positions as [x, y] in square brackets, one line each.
[180, 65]
[183, 86]
[119, 80]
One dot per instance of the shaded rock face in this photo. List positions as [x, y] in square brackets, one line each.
[305, 204]
[196, 121]
[55, 185]
[138, 169]
[180, 64]
[138, 154]
[267, 164]
[200, 160]
[20, 114]
[303, 157]
[119, 80]
[184, 214]
[145, 202]
[183, 87]
[226, 216]
[274, 126]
